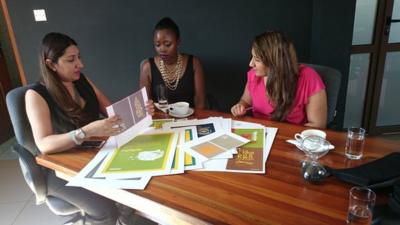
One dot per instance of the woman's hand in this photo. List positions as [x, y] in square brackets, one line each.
[106, 127]
[150, 107]
[238, 110]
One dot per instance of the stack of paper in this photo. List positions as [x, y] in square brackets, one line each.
[162, 147]
[244, 150]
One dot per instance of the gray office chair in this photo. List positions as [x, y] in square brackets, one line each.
[212, 102]
[35, 175]
[331, 78]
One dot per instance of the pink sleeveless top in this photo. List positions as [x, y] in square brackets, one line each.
[309, 83]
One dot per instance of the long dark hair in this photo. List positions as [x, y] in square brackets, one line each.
[52, 48]
[277, 52]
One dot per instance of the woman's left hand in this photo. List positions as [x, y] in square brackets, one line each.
[150, 107]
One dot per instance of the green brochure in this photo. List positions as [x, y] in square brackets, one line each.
[147, 154]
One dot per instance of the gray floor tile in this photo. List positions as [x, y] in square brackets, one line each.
[8, 155]
[7, 144]
[9, 164]
[13, 187]
[9, 212]
[34, 214]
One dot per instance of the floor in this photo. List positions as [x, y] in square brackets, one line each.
[17, 202]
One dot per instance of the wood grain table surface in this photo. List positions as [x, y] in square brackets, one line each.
[280, 196]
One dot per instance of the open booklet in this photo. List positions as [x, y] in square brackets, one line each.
[132, 111]
[136, 120]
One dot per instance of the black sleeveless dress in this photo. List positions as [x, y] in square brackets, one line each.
[184, 91]
[60, 121]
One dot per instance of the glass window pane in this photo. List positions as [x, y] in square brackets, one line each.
[389, 110]
[358, 75]
[396, 10]
[364, 21]
[394, 35]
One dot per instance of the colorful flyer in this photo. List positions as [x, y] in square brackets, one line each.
[132, 111]
[178, 164]
[149, 154]
[85, 178]
[158, 123]
[251, 155]
[190, 161]
[213, 146]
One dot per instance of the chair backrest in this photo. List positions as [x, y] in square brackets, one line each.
[331, 78]
[22, 128]
[212, 102]
[26, 150]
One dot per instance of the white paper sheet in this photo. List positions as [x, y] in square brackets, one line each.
[85, 177]
[194, 147]
[270, 134]
[221, 164]
[194, 163]
[189, 123]
[180, 156]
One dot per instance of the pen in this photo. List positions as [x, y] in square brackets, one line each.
[248, 108]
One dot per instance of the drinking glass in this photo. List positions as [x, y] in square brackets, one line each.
[355, 143]
[162, 98]
[361, 204]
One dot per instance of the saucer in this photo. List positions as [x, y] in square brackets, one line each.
[161, 109]
[298, 145]
[190, 112]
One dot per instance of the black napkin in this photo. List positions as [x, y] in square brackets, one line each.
[379, 173]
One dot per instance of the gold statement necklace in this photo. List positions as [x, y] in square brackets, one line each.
[171, 76]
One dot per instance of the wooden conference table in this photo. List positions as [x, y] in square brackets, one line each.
[280, 196]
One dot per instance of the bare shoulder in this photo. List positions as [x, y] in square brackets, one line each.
[32, 95]
[196, 59]
[34, 99]
[145, 65]
[196, 62]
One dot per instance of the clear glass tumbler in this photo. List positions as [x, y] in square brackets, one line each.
[361, 204]
[355, 143]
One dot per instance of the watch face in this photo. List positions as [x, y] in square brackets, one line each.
[80, 134]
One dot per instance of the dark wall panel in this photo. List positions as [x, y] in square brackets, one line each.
[332, 33]
[114, 36]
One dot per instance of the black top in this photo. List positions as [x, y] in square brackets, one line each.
[184, 91]
[61, 122]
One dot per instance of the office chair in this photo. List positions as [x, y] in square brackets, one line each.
[212, 102]
[331, 78]
[35, 175]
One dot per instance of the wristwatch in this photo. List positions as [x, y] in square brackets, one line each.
[78, 136]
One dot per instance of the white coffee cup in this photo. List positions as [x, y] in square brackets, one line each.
[309, 132]
[179, 108]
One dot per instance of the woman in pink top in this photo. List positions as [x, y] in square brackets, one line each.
[278, 88]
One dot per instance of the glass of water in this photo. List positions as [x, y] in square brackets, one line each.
[355, 143]
[162, 97]
[361, 204]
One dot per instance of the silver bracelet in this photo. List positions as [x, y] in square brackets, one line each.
[72, 136]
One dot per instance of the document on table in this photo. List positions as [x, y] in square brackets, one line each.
[86, 179]
[149, 154]
[178, 164]
[215, 145]
[251, 157]
[132, 111]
